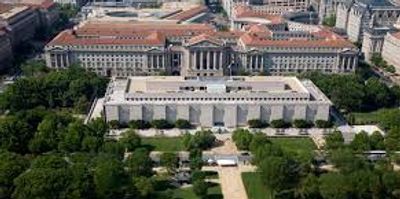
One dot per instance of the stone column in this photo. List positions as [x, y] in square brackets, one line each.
[215, 59]
[220, 60]
[208, 60]
[201, 60]
[262, 63]
[67, 59]
[150, 64]
[61, 60]
[257, 64]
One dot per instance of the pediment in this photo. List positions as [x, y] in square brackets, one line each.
[205, 43]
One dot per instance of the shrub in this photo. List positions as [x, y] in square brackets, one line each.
[323, 124]
[200, 140]
[114, 124]
[242, 138]
[139, 124]
[280, 124]
[183, 124]
[161, 124]
[256, 123]
[302, 124]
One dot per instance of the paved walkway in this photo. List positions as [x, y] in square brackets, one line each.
[230, 177]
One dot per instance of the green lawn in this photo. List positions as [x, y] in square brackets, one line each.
[163, 143]
[254, 187]
[365, 118]
[214, 192]
[301, 148]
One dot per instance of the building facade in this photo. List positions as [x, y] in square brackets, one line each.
[391, 49]
[267, 6]
[6, 54]
[357, 16]
[125, 49]
[214, 101]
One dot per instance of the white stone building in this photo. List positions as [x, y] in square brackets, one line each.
[391, 50]
[357, 16]
[214, 101]
[125, 49]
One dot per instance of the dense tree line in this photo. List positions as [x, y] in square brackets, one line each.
[354, 177]
[72, 87]
[353, 93]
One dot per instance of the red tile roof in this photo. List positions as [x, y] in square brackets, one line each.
[68, 38]
[151, 34]
[242, 11]
[5, 7]
[204, 37]
[187, 14]
[396, 35]
[252, 39]
[45, 4]
[103, 29]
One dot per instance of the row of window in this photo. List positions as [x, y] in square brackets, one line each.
[216, 99]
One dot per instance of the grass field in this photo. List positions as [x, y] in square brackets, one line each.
[214, 192]
[301, 148]
[163, 144]
[254, 187]
[365, 118]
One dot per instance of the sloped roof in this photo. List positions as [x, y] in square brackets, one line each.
[205, 37]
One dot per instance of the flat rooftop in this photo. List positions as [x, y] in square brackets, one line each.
[170, 84]
[265, 87]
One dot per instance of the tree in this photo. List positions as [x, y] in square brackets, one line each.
[130, 140]
[71, 140]
[279, 173]
[14, 134]
[139, 163]
[334, 186]
[11, 166]
[161, 124]
[334, 140]
[109, 177]
[377, 94]
[280, 123]
[200, 188]
[361, 142]
[255, 123]
[329, 20]
[169, 161]
[258, 141]
[183, 124]
[200, 140]
[300, 123]
[49, 132]
[139, 124]
[346, 161]
[389, 118]
[144, 186]
[391, 183]
[392, 141]
[49, 162]
[114, 124]
[113, 147]
[323, 124]
[242, 138]
[197, 175]
[196, 160]
[44, 183]
[309, 187]
[81, 182]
